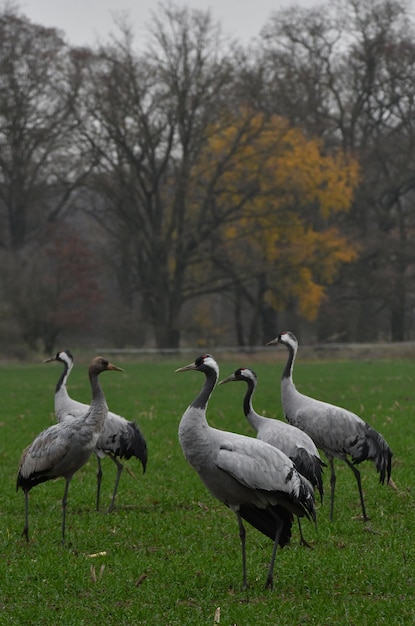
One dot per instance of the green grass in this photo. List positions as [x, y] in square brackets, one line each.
[170, 553]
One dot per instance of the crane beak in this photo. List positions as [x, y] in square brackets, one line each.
[229, 379]
[186, 368]
[49, 360]
[115, 368]
[272, 342]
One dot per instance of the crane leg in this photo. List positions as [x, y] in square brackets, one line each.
[359, 485]
[302, 540]
[117, 480]
[99, 478]
[242, 535]
[25, 532]
[270, 576]
[332, 488]
[64, 502]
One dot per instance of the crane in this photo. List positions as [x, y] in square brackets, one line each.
[335, 430]
[295, 443]
[119, 438]
[258, 482]
[62, 449]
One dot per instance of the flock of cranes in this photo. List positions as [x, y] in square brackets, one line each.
[118, 437]
[253, 478]
[266, 481]
[62, 449]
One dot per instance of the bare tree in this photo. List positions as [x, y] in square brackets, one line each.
[151, 117]
[41, 162]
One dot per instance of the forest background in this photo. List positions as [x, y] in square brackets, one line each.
[194, 191]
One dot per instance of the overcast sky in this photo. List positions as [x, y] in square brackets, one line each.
[84, 21]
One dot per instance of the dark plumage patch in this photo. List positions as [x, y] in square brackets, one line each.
[265, 520]
[289, 476]
[26, 483]
[311, 467]
[378, 451]
[130, 444]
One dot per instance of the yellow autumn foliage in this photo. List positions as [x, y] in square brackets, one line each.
[287, 191]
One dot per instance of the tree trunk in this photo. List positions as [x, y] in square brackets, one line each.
[366, 327]
[269, 322]
[239, 327]
[397, 316]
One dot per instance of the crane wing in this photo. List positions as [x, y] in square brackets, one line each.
[257, 465]
[45, 451]
[333, 429]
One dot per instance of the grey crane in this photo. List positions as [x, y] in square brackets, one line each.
[119, 438]
[335, 430]
[62, 449]
[295, 443]
[255, 480]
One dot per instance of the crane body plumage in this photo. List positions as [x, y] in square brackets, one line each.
[62, 449]
[118, 439]
[295, 443]
[337, 431]
[254, 479]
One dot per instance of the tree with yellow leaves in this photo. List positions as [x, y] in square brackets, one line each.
[284, 245]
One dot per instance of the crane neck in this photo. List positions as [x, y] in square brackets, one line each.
[253, 418]
[248, 397]
[98, 409]
[63, 378]
[202, 399]
[288, 369]
[194, 428]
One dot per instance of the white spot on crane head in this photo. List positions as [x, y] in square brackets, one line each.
[65, 356]
[288, 338]
[207, 360]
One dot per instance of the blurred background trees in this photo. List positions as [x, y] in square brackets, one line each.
[196, 192]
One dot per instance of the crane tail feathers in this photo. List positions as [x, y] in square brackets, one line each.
[311, 467]
[377, 450]
[134, 444]
[306, 500]
[267, 521]
[383, 457]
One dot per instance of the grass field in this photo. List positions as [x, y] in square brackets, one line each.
[170, 553]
